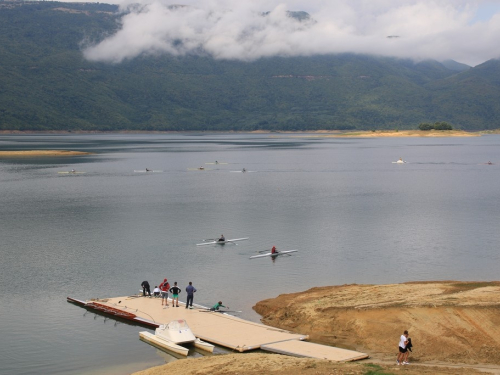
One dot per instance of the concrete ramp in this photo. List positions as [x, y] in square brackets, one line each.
[298, 348]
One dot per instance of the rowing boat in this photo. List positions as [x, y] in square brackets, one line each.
[217, 242]
[283, 252]
[148, 171]
[71, 172]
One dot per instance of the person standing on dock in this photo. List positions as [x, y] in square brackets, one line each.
[190, 289]
[145, 288]
[175, 290]
[164, 287]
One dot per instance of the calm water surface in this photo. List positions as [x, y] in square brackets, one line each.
[355, 217]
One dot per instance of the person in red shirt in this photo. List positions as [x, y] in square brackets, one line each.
[274, 251]
[164, 287]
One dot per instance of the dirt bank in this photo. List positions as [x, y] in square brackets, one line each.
[457, 322]
[259, 364]
[31, 153]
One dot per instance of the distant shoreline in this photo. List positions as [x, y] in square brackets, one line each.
[313, 133]
[42, 153]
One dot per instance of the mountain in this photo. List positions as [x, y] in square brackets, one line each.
[46, 84]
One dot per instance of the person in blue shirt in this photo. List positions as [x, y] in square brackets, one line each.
[190, 289]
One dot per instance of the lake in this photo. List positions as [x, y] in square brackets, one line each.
[354, 216]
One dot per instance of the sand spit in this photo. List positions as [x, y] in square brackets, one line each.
[399, 133]
[32, 153]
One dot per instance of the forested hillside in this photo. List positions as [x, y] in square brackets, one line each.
[46, 84]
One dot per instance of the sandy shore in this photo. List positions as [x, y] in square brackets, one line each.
[400, 133]
[31, 153]
[275, 364]
[454, 326]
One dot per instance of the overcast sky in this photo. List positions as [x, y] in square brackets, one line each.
[465, 31]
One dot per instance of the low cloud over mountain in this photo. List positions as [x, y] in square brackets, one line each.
[440, 29]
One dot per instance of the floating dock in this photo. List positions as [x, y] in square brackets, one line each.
[217, 328]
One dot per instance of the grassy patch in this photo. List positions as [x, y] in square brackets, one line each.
[376, 370]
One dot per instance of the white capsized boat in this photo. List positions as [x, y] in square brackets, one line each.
[169, 336]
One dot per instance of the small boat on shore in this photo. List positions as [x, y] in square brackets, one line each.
[169, 336]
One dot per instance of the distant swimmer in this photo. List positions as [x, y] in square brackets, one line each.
[217, 306]
[222, 238]
[274, 251]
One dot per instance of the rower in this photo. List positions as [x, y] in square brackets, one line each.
[201, 168]
[216, 162]
[217, 306]
[148, 170]
[489, 163]
[222, 238]
[274, 251]
[73, 171]
[244, 170]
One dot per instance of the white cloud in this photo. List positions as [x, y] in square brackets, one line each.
[225, 29]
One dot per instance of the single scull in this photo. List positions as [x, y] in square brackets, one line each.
[282, 252]
[217, 242]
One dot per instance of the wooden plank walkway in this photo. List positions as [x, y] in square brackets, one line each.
[311, 350]
[221, 329]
